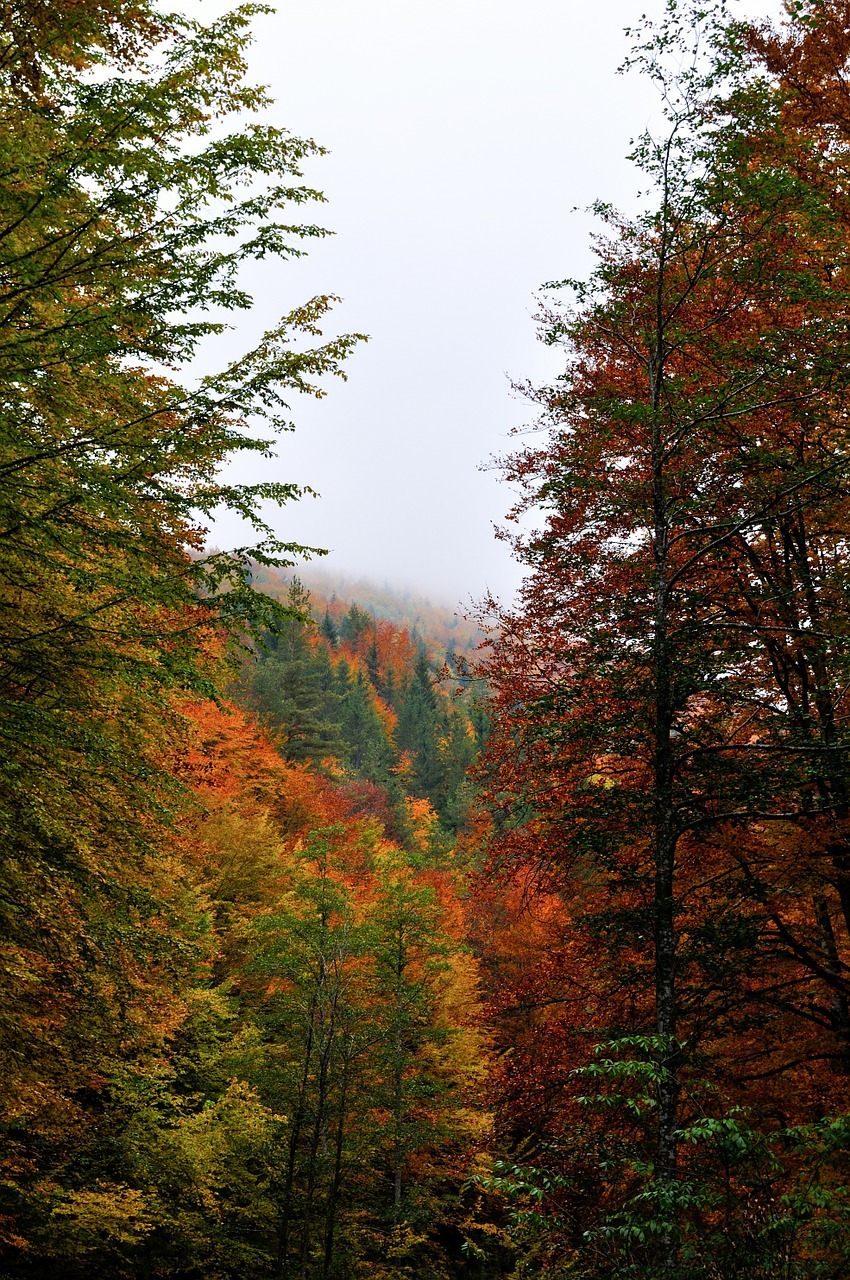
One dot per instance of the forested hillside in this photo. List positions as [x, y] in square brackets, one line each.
[341, 937]
[444, 629]
[358, 698]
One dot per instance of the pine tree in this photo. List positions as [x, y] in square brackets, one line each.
[418, 733]
[356, 623]
[370, 752]
[289, 686]
[329, 630]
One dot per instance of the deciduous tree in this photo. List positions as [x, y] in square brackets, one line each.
[667, 691]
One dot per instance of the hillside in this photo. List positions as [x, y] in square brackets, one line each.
[371, 703]
[440, 627]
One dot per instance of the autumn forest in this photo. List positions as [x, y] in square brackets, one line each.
[346, 938]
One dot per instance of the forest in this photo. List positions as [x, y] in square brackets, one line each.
[338, 942]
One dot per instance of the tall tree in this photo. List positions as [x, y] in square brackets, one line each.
[289, 684]
[694, 484]
[126, 210]
[418, 732]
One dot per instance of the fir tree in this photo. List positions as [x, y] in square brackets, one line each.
[329, 630]
[418, 733]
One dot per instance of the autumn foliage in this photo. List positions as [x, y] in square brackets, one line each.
[326, 951]
[669, 769]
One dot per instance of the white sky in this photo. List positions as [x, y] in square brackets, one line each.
[463, 134]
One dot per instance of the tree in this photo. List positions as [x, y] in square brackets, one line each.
[289, 685]
[657, 689]
[126, 210]
[357, 623]
[428, 1056]
[418, 729]
[308, 949]
[367, 1005]
[329, 629]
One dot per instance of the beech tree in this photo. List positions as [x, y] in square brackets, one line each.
[134, 184]
[117, 198]
[670, 680]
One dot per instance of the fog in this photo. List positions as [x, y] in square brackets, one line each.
[466, 140]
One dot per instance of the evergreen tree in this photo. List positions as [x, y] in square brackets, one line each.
[369, 750]
[373, 665]
[391, 689]
[289, 686]
[418, 733]
[355, 624]
[329, 629]
[459, 752]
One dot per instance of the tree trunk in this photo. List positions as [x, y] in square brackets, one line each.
[829, 949]
[664, 921]
[316, 1135]
[665, 831]
[285, 1209]
[398, 1079]
[336, 1181]
[398, 1145]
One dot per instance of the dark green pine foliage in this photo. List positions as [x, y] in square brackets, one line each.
[369, 750]
[371, 753]
[354, 624]
[329, 630]
[373, 666]
[319, 708]
[390, 689]
[419, 731]
[292, 688]
[460, 751]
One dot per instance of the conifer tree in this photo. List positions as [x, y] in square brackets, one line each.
[329, 629]
[289, 685]
[356, 623]
[418, 730]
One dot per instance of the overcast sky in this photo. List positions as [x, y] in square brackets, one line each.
[463, 136]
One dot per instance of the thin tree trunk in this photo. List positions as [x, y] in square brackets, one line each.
[398, 1082]
[398, 1146]
[336, 1181]
[665, 832]
[840, 1010]
[316, 1135]
[833, 787]
[294, 1136]
[664, 920]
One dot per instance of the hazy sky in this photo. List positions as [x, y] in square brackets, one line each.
[463, 135]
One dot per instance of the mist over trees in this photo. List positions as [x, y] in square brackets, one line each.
[330, 948]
